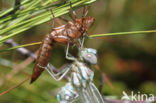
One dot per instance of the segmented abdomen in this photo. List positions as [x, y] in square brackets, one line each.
[42, 58]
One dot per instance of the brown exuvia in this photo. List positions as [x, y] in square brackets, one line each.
[66, 34]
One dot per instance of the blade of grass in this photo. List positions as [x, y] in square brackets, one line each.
[122, 33]
[2, 13]
[21, 46]
[21, 12]
[30, 7]
[92, 36]
[44, 17]
[10, 89]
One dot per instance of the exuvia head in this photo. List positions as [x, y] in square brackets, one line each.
[89, 55]
[85, 23]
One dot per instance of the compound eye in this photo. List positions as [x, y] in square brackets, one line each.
[91, 58]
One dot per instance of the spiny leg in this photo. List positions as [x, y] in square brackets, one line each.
[73, 12]
[70, 15]
[63, 19]
[76, 44]
[63, 72]
[53, 21]
[58, 22]
[67, 54]
[50, 67]
[81, 41]
[85, 12]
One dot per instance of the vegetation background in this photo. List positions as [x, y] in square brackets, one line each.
[127, 61]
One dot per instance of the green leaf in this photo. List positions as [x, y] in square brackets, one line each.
[122, 33]
[20, 46]
[34, 14]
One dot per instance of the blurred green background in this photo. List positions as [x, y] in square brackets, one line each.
[128, 61]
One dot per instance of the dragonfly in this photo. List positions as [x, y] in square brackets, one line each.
[67, 34]
[80, 87]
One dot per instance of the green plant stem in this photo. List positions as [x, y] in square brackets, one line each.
[92, 36]
[21, 46]
[122, 33]
[18, 27]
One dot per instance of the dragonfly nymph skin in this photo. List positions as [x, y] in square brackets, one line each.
[65, 34]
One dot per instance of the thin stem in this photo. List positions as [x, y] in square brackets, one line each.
[10, 89]
[122, 33]
[20, 46]
[92, 36]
